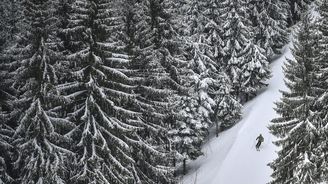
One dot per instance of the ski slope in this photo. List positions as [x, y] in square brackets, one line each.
[232, 158]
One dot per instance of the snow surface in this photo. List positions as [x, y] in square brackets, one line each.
[232, 158]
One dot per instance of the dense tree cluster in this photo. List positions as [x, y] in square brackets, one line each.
[125, 91]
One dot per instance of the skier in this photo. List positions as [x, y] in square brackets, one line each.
[259, 139]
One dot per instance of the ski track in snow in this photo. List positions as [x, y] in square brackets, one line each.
[232, 158]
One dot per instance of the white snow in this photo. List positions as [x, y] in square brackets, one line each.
[232, 158]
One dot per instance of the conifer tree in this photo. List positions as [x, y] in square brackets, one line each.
[113, 132]
[10, 13]
[321, 89]
[214, 29]
[255, 69]
[296, 127]
[6, 132]
[156, 84]
[40, 132]
[210, 52]
[269, 20]
[201, 31]
[242, 57]
[64, 7]
[191, 129]
[296, 8]
[160, 62]
[228, 109]
[197, 107]
[202, 48]
[236, 36]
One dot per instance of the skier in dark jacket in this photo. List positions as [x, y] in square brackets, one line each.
[259, 139]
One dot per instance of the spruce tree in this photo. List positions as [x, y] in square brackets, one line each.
[64, 7]
[255, 69]
[236, 36]
[297, 127]
[196, 108]
[296, 8]
[39, 132]
[10, 14]
[155, 66]
[202, 31]
[160, 63]
[214, 29]
[228, 109]
[269, 20]
[156, 85]
[113, 143]
[321, 77]
[6, 131]
[6, 153]
[203, 51]
[242, 57]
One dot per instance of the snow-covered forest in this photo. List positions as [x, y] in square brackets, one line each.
[128, 91]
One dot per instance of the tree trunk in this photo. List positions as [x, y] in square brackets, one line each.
[216, 121]
[184, 166]
[216, 128]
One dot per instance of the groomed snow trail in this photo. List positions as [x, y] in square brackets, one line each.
[231, 158]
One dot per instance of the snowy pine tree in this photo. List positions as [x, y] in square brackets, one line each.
[322, 86]
[160, 65]
[255, 69]
[64, 7]
[243, 60]
[214, 29]
[154, 84]
[39, 134]
[6, 131]
[297, 127]
[112, 134]
[201, 30]
[6, 153]
[157, 82]
[269, 19]
[228, 109]
[197, 107]
[296, 8]
[10, 14]
[306, 170]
